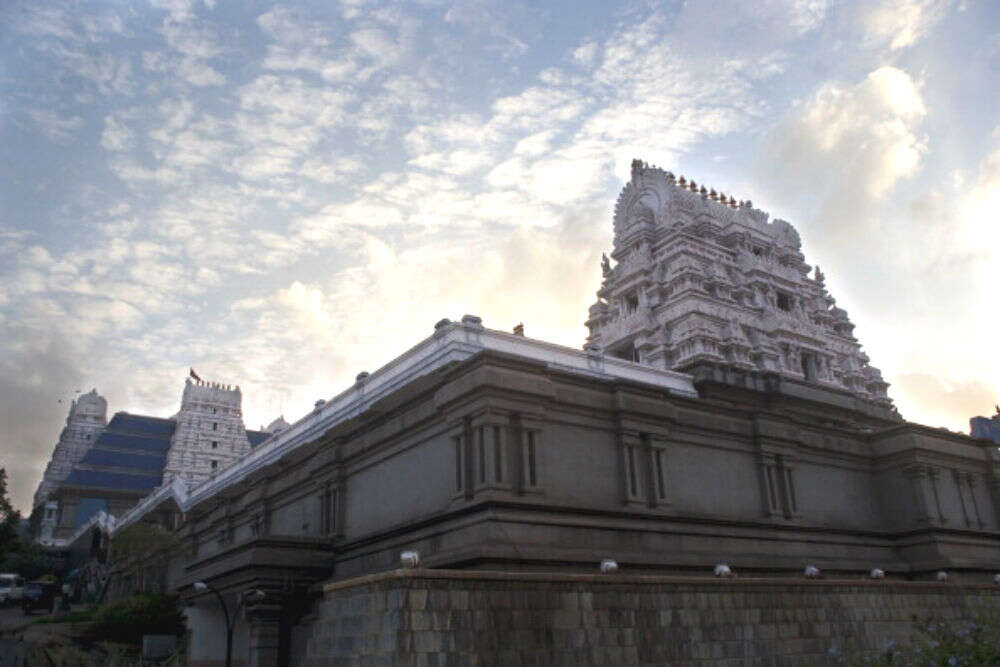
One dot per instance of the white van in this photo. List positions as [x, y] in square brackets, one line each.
[11, 588]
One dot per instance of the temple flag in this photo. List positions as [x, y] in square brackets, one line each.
[195, 375]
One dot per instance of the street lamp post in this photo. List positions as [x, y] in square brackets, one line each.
[255, 595]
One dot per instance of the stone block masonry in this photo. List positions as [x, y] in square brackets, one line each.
[449, 617]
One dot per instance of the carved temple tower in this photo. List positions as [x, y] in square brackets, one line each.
[702, 280]
[88, 414]
[210, 433]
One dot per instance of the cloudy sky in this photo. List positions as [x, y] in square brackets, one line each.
[283, 195]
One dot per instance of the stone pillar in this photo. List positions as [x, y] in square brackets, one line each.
[770, 485]
[920, 485]
[970, 479]
[965, 505]
[993, 478]
[634, 482]
[933, 474]
[264, 630]
[789, 495]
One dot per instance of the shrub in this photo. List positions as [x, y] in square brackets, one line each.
[74, 617]
[973, 643]
[128, 619]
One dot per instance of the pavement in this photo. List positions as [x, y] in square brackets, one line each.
[13, 619]
[13, 652]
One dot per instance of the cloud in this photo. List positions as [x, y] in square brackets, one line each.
[194, 40]
[199, 74]
[941, 402]
[116, 135]
[847, 146]
[490, 19]
[902, 23]
[56, 127]
[732, 25]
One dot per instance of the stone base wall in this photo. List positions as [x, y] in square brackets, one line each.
[450, 617]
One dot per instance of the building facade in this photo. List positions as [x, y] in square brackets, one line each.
[101, 470]
[484, 450]
[720, 412]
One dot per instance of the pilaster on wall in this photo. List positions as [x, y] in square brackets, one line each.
[776, 466]
[993, 480]
[965, 482]
[970, 479]
[643, 461]
[497, 451]
[265, 634]
[493, 447]
[641, 451]
[778, 486]
[926, 499]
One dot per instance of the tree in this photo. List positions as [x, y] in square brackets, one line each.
[10, 521]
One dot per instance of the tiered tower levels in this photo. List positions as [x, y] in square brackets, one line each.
[88, 415]
[210, 432]
[700, 277]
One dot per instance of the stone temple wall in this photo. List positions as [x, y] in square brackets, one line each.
[450, 617]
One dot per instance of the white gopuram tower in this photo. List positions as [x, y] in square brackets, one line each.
[703, 280]
[88, 414]
[210, 433]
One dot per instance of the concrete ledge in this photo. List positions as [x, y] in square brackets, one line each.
[611, 579]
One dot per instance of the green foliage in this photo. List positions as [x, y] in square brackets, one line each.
[74, 617]
[69, 655]
[10, 520]
[31, 562]
[128, 619]
[139, 540]
[961, 644]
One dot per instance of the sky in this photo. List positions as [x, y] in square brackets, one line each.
[284, 195]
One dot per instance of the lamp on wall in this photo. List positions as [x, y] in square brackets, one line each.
[409, 559]
[723, 570]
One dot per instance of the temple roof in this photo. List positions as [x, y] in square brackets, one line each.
[257, 437]
[129, 455]
[115, 481]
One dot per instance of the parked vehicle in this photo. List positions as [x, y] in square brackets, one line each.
[39, 595]
[11, 588]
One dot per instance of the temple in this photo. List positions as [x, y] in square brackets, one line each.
[100, 470]
[700, 278]
[721, 412]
